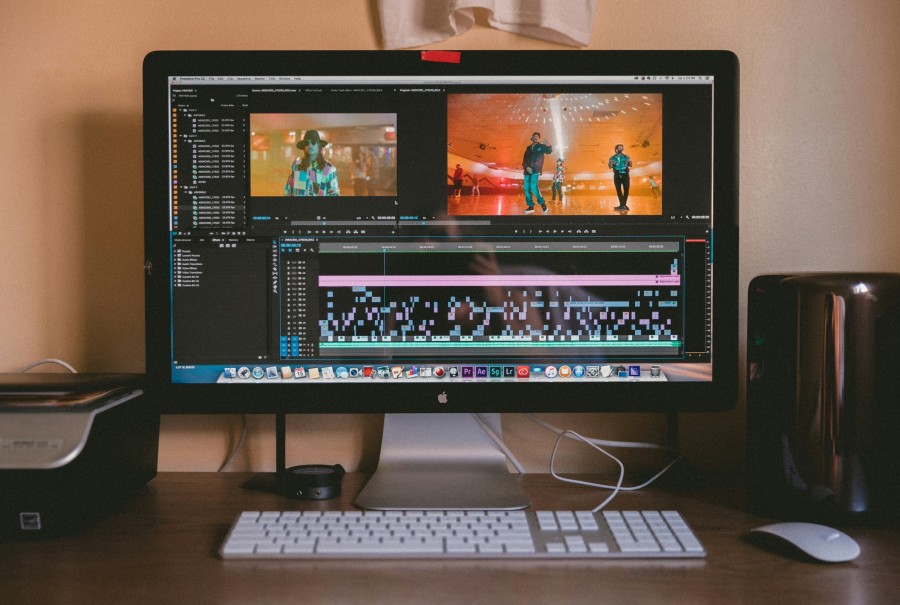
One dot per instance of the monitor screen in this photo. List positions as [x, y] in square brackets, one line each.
[486, 232]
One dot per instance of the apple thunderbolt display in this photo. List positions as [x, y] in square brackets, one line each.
[434, 237]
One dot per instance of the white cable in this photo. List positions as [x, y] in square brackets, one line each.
[39, 362]
[598, 444]
[577, 437]
[604, 442]
[499, 441]
[237, 446]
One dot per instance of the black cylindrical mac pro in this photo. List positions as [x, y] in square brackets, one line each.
[823, 396]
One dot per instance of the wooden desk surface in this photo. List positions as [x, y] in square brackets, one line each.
[161, 548]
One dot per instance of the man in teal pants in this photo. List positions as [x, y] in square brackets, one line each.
[533, 162]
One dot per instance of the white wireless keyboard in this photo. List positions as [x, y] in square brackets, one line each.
[460, 534]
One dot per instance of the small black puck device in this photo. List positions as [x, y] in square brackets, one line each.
[308, 481]
[312, 481]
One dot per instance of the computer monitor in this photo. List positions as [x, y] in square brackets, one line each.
[432, 235]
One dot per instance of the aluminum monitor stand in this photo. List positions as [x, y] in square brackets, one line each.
[441, 462]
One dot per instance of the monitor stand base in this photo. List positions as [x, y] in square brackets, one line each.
[441, 462]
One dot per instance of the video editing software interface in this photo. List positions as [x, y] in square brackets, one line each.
[391, 228]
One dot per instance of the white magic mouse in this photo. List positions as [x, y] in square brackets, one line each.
[820, 542]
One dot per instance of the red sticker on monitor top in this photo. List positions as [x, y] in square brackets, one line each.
[441, 56]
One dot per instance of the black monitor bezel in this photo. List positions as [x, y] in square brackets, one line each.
[386, 396]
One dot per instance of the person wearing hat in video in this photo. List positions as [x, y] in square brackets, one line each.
[558, 178]
[312, 174]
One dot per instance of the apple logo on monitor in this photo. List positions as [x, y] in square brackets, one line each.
[442, 398]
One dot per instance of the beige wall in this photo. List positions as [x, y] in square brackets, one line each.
[819, 156]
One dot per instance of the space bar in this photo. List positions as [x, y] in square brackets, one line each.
[378, 548]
